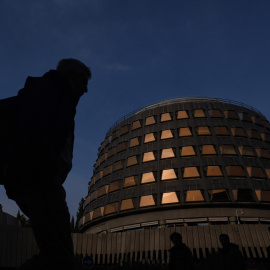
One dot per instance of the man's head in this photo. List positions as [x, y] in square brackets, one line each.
[76, 73]
[176, 238]
[224, 239]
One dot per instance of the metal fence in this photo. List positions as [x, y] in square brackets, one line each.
[18, 244]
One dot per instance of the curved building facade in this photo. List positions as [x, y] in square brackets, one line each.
[181, 162]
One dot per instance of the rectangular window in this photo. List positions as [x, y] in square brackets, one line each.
[103, 190]
[128, 204]
[244, 116]
[148, 178]
[203, 131]
[111, 152]
[136, 124]
[263, 153]
[246, 151]
[227, 149]
[134, 142]
[218, 195]
[182, 115]
[191, 172]
[213, 171]
[107, 170]
[150, 120]
[116, 185]
[147, 200]
[186, 151]
[111, 208]
[199, 113]
[166, 134]
[231, 114]
[208, 149]
[235, 171]
[119, 165]
[133, 160]
[194, 196]
[150, 137]
[221, 131]
[263, 195]
[168, 174]
[124, 130]
[265, 137]
[98, 212]
[243, 195]
[253, 134]
[167, 153]
[149, 156]
[255, 172]
[165, 117]
[215, 113]
[185, 132]
[131, 181]
[238, 132]
[121, 147]
[169, 197]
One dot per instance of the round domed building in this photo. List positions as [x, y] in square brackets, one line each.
[181, 162]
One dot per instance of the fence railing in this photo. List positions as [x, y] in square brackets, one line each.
[18, 244]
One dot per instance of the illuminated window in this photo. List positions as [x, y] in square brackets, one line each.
[149, 156]
[116, 185]
[119, 165]
[136, 124]
[267, 172]
[99, 175]
[169, 197]
[134, 142]
[253, 134]
[263, 153]
[167, 153]
[246, 151]
[185, 132]
[221, 131]
[215, 113]
[103, 158]
[208, 149]
[238, 132]
[107, 170]
[93, 195]
[182, 115]
[186, 151]
[128, 204]
[98, 212]
[131, 181]
[147, 200]
[121, 147]
[194, 196]
[132, 161]
[168, 174]
[199, 113]
[115, 134]
[103, 190]
[231, 114]
[244, 116]
[148, 177]
[256, 172]
[227, 149]
[124, 130]
[235, 171]
[203, 131]
[91, 213]
[218, 195]
[165, 117]
[166, 134]
[150, 137]
[263, 195]
[213, 171]
[111, 208]
[190, 172]
[150, 120]
[242, 195]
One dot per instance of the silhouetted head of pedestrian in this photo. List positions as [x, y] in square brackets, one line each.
[224, 240]
[176, 238]
[77, 74]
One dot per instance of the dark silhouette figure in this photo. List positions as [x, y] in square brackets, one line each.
[40, 158]
[229, 256]
[180, 254]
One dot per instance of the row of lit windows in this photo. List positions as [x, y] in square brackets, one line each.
[220, 195]
[187, 173]
[184, 114]
[183, 132]
[184, 151]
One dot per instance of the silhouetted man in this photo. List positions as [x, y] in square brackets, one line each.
[230, 256]
[180, 254]
[40, 159]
